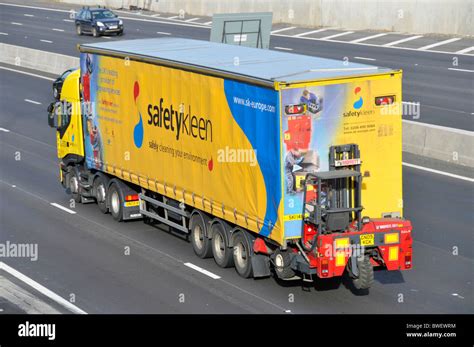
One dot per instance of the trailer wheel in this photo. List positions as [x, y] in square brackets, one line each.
[115, 202]
[73, 184]
[366, 274]
[220, 249]
[282, 261]
[100, 194]
[241, 254]
[201, 244]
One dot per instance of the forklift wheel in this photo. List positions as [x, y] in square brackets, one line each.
[366, 274]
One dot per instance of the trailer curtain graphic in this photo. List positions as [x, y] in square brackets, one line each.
[186, 120]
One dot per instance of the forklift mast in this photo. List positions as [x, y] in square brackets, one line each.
[335, 195]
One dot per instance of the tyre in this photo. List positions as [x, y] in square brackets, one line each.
[73, 184]
[220, 249]
[115, 202]
[201, 244]
[78, 30]
[100, 194]
[366, 274]
[95, 32]
[282, 261]
[241, 255]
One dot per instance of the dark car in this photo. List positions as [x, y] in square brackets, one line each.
[98, 21]
[58, 83]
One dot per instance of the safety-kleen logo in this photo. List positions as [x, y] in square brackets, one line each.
[138, 129]
[359, 102]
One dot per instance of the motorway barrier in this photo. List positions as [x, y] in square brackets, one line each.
[36, 59]
[433, 141]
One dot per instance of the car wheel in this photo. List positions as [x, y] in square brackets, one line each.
[120, 33]
[78, 30]
[95, 33]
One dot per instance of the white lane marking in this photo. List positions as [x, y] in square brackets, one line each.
[284, 48]
[464, 178]
[337, 35]
[191, 20]
[28, 15]
[60, 30]
[46, 41]
[33, 102]
[4, 130]
[372, 45]
[106, 37]
[287, 311]
[465, 50]
[203, 271]
[364, 58]
[42, 289]
[16, 23]
[163, 33]
[463, 70]
[368, 38]
[406, 39]
[172, 17]
[208, 23]
[457, 295]
[62, 208]
[4, 34]
[155, 15]
[69, 20]
[27, 73]
[436, 44]
[281, 30]
[310, 32]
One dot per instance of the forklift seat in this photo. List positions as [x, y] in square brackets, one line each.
[338, 221]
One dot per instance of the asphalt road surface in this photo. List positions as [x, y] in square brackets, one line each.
[133, 268]
[442, 82]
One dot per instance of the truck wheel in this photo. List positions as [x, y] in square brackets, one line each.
[366, 274]
[100, 194]
[201, 244]
[115, 202]
[220, 249]
[282, 261]
[73, 184]
[78, 30]
[241, 254]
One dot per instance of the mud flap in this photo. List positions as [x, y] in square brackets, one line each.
[260, 265]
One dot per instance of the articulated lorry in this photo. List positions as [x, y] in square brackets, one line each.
[271, 162]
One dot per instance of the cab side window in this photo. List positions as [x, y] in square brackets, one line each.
[64, 110]
[87, 15]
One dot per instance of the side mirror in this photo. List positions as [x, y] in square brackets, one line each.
[52, 116]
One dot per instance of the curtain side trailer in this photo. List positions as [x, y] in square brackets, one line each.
[273, 163]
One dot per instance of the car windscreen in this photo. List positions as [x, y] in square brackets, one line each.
[102, 14]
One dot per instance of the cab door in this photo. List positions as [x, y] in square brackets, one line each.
[65, 116]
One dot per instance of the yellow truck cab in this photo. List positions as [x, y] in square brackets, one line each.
[65, 115]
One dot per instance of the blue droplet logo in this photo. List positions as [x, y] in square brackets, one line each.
[358, 104]
[138, 132]
[72, 138]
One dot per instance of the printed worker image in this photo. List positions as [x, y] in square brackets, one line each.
[293, 158]
[312, 102]
[95, 141]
